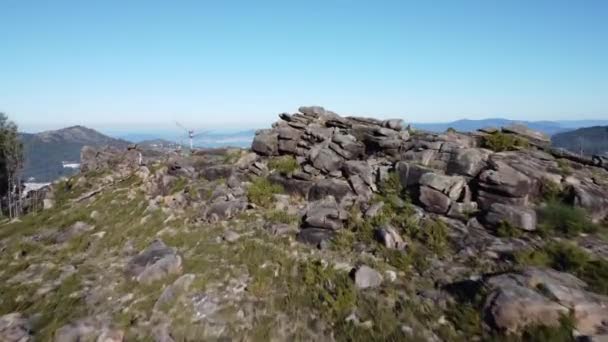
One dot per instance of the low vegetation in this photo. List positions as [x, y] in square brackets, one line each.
[285, 165]
[556, 217]
[499, 142]
[261, 192]
[568, 257]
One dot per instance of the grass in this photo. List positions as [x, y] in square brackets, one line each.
[507, 230]
[285, 165]
[261, 192]
[280, 216]
[559, 218]
[499, 142]
[567, 257]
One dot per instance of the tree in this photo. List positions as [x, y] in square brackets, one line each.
[11, 164]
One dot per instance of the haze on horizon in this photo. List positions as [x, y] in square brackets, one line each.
[239, 63]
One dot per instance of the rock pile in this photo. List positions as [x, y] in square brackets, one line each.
[342, 161]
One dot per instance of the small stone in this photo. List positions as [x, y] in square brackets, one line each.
[231, 236]
[367, 277]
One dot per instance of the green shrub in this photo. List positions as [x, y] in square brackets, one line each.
[505, 229]
[544, 333]
[550, 190]
[564, 167]
[433, 234]
[567, 220]
[595, 274]
[285, 165]
[567, 257]
[499, 142]
[261, 192]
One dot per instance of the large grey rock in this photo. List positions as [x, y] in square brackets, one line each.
[367, 277]
[519, 217]
[505, 180]
[434, 200]
[396, 124]
[15, 328]
[326, 214]
[326, 160]
[360, 168]
[450, 186]
[266, 142]
[527, 133]
[154, 263]
[593, 198]
[515, 301]
[390, 237]
[329, 187]
[410, 174]
[468, 162]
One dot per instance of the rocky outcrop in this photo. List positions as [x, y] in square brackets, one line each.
[447, 174]
[542, 296]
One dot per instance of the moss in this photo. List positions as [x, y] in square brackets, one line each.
[499, 142]
[285, 165]
[559, 218]
[261, 192]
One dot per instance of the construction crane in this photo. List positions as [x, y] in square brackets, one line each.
[191, 134]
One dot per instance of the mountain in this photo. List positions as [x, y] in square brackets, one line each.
[451, 244]
[466, 125]
[46, 152]
[592, 140]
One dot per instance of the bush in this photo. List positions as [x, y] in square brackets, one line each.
[433, 234]
[499, 142]
[261, 192]
[564, 219]
[505, 229]
[285, 165]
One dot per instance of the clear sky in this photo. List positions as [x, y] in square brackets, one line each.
[239, 63]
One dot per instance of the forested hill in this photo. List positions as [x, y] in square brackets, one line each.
[46, 151]
[592, 140]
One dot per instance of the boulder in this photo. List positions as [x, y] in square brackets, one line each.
[468, 162]
[15, 328]
[434, 200]
[592, 197]
[515, 301]
[326, 214]
[410, 174]
[527, 133]
[390, 237]
[517, 216]
[367, 277]
[329, 187]
[505, 180]
[154, 263]
[266, 143]
[450, 186]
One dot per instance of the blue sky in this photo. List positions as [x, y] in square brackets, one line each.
[239, 63]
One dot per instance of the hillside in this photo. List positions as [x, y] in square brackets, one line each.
[329, 229]
[591, 140]
[44, 152]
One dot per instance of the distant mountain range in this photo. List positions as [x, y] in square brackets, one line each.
[548, 127]
[589, 140]
[46, 152]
